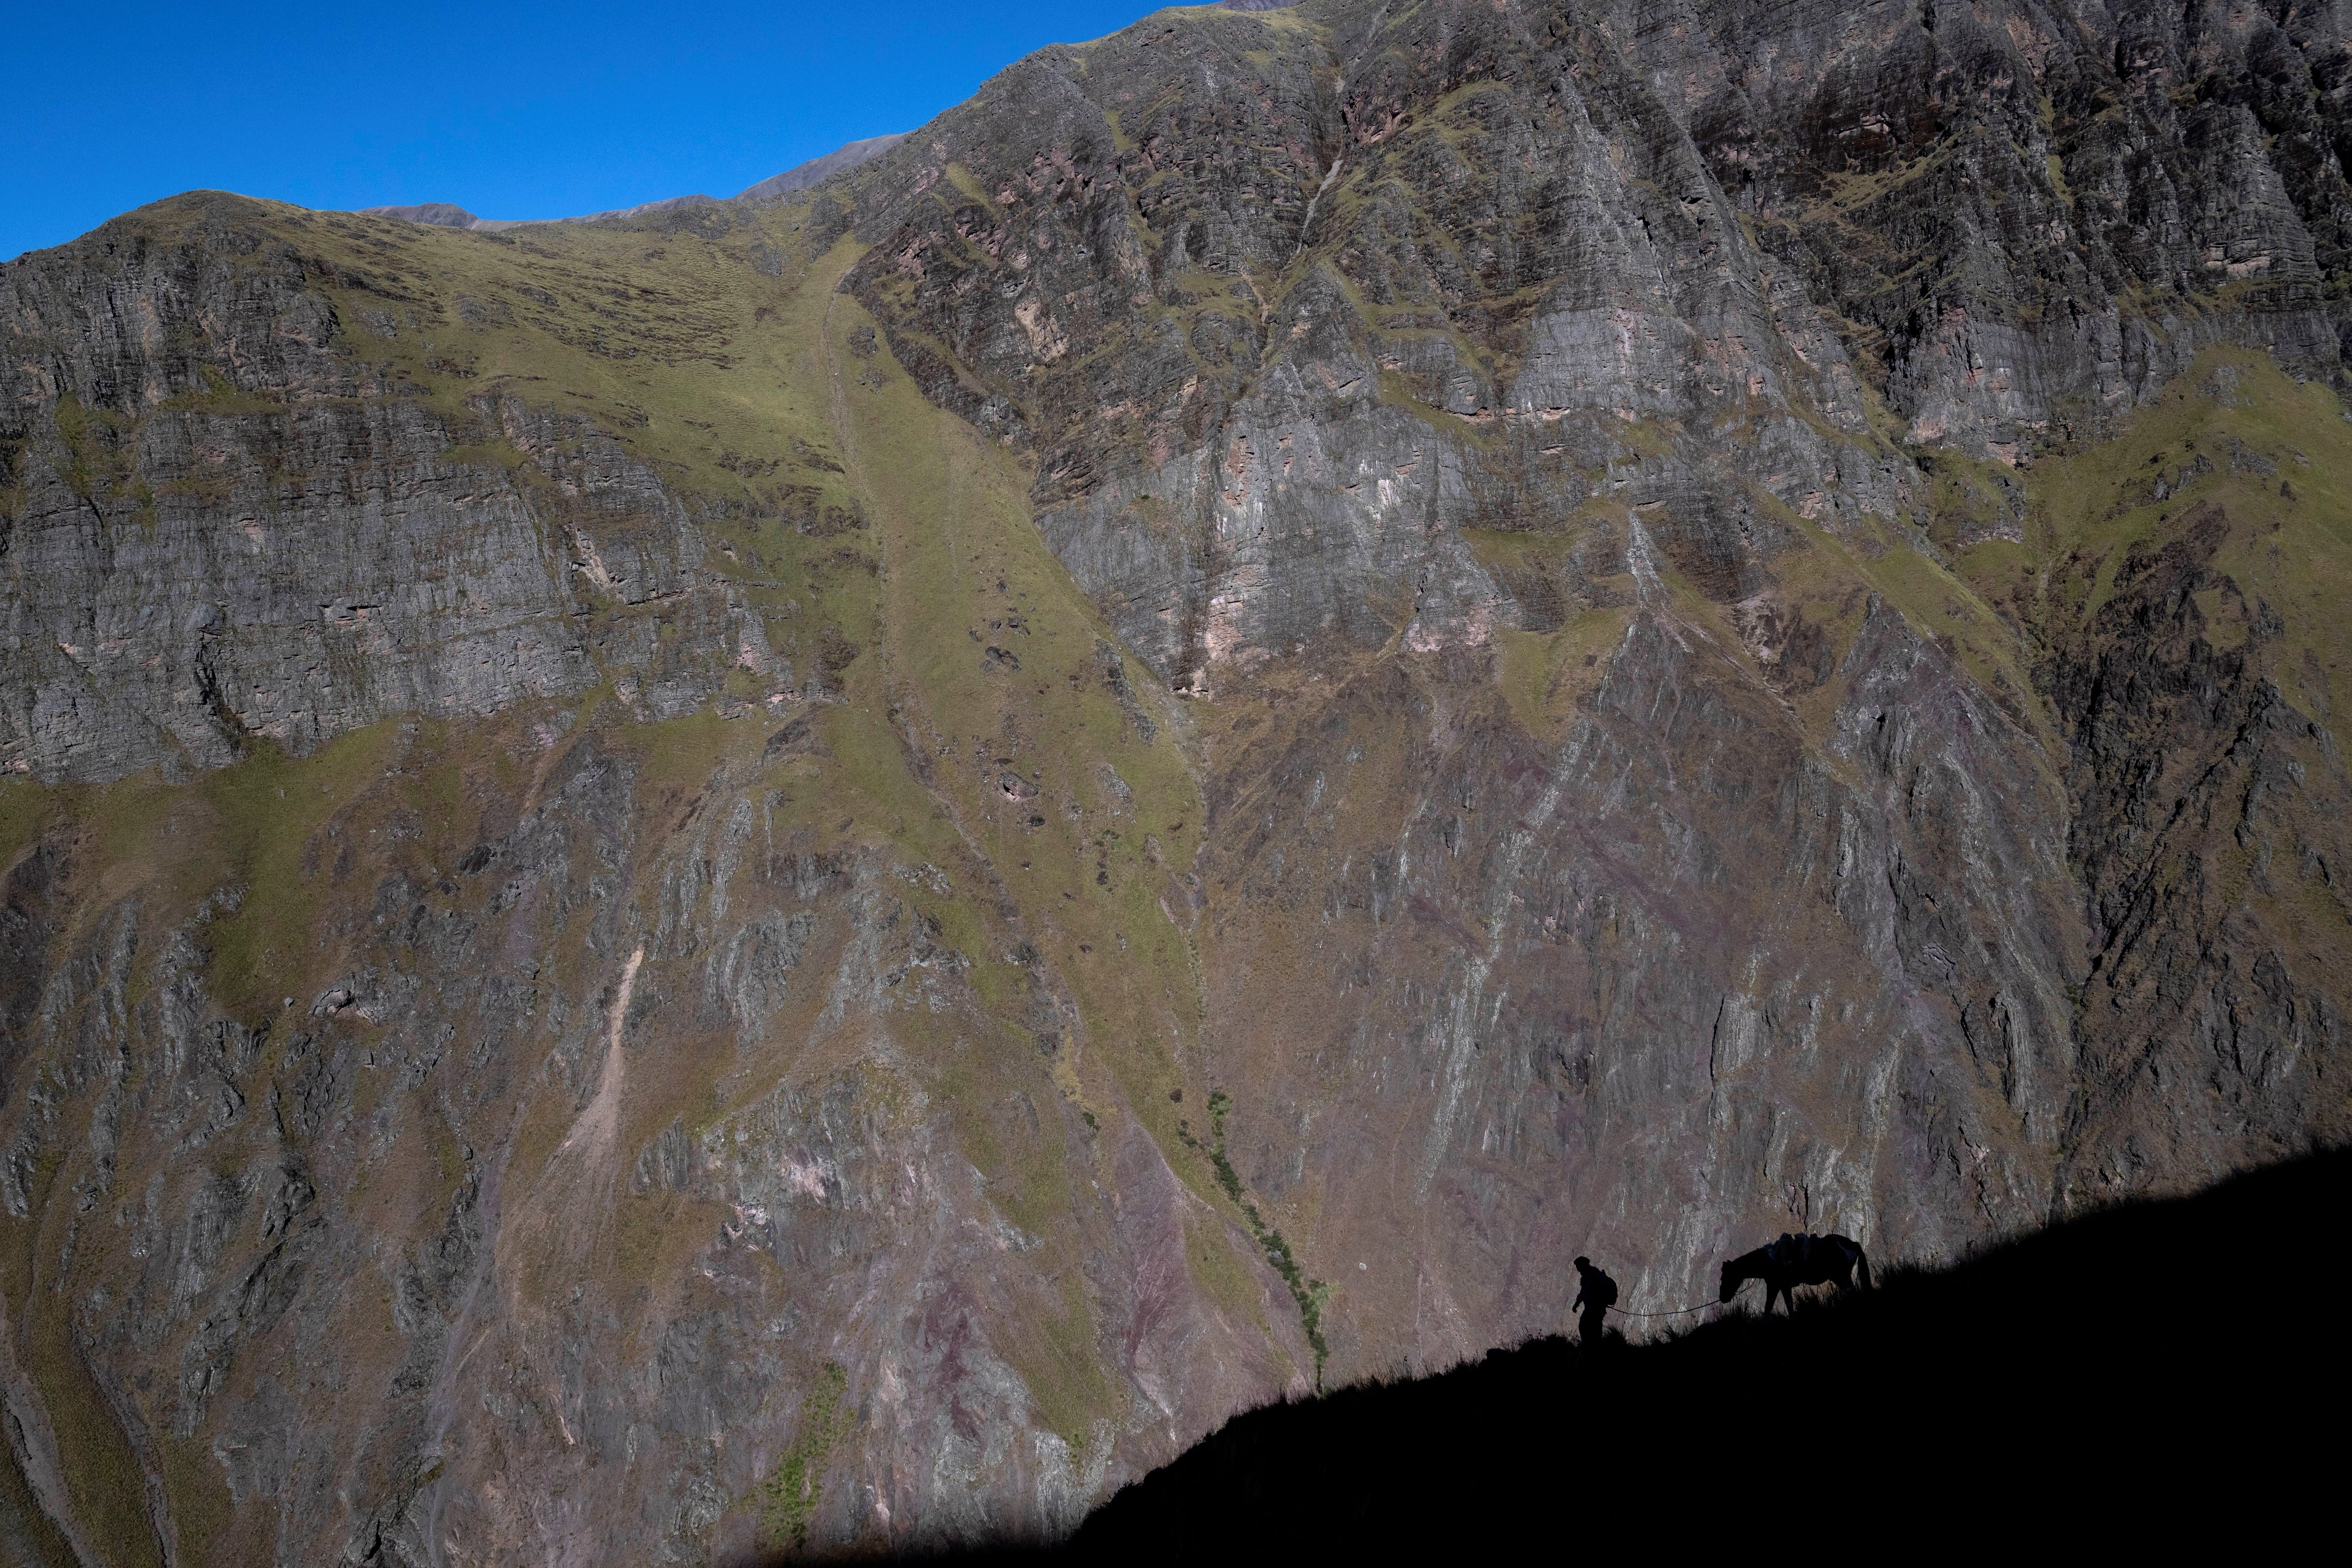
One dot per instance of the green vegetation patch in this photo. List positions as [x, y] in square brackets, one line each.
[267, 806]
[26, 811]
[788, 1497]
[2274, 454]
[222, 398]
[1544, 674]
[1310, 1294]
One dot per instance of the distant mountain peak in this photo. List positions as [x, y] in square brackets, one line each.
[440, 215]
[799, 178]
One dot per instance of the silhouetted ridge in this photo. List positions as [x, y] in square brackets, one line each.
[2193, 1341]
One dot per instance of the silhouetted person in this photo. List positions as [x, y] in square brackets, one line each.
[1594, 1296]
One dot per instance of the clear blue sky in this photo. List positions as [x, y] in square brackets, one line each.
[521, 109]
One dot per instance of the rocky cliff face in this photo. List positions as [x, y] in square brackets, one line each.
[1683, 375]
[227, 526]
[831, 869]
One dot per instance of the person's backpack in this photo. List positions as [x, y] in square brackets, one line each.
[1608, 1291]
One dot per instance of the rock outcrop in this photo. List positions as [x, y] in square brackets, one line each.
[228, 526]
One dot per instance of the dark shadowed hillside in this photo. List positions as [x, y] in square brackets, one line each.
[2194, 1345]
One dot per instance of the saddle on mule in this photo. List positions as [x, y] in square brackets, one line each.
[1795, 1260]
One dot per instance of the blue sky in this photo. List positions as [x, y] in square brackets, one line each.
[516, 111]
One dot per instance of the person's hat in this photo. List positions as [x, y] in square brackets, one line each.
[1584, 1263]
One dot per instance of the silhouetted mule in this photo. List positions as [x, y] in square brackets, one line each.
[1795, 1260]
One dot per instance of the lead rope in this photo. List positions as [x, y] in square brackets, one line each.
[1679, 1312]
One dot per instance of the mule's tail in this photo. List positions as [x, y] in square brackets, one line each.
[1861, 1266]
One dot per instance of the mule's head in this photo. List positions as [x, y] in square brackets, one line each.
[1732, 1280]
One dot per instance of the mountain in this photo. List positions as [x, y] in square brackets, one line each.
[799, 178]
[441, 213]
[829, 872]
[805, 177]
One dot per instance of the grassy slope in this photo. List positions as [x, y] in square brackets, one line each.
[2279, 451]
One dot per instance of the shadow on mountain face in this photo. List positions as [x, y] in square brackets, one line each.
[2147, 1369]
